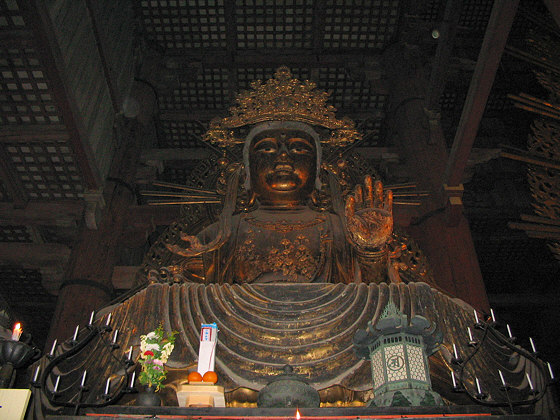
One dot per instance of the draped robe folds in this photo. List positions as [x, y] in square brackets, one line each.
[310, 326]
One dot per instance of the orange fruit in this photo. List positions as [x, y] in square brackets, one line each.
[194, 377]
[210, 376]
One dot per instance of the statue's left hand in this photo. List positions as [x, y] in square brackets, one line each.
[369, 214]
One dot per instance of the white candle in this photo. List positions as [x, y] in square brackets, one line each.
[84, 378]
[532, 345]
[530, 382]
[453, 379]
[502, 378]
[108, 319]
[550, 370]
[509, 331]
[132, 380]
[76, 332]
[492, 315]
[476, 316]
[107, 386]
[36, 373]
[56, 383]
[455, 351]
[115, 336]
[91, 318]
[130, 353]
[470, 333]
[478, 386]
[16, 332]
[53, 348]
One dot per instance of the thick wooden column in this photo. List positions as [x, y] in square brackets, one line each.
[88, 285]
[450, 249]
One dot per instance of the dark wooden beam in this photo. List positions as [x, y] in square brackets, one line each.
[319, 8]
[100, 41]
[197, 153]
[554, 9]
[497, 31]
[48, 213]
[37, 17]
[33, 255]
[270, 58]
[33, 133]
[207, 115]
[148, 216]
[440, 65]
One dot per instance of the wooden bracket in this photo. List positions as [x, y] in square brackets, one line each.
[453, 203]
[93, 211]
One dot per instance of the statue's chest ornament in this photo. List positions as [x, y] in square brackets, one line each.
[294, 248]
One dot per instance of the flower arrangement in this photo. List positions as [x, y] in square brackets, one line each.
[155, 349]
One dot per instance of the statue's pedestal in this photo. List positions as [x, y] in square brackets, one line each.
[362, 413]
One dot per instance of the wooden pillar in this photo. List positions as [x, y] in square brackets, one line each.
[88, 284]
[450, 249]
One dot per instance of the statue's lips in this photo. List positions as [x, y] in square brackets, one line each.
[283, 178]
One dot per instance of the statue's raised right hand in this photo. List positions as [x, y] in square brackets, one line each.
[369, 215]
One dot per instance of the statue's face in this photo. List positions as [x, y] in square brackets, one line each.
[282, 166]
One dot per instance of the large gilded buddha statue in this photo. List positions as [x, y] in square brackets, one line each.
[290, 230]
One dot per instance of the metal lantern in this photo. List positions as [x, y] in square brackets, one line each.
[398, 351]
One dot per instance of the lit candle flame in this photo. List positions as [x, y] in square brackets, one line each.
[298, 416]
[16, 332]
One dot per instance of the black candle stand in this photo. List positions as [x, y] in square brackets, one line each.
[95, 334]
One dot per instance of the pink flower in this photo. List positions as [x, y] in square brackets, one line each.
[158, 362]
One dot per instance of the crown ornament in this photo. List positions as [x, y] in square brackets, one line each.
[282, 98]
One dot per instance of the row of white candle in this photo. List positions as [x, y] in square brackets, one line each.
[502, 379]
[510, 335]
[74, 338]
[83, 382]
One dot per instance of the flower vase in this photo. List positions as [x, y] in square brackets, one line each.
[148, 397]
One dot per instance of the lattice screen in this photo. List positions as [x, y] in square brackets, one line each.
[360, 23]
[274, 24]
[349, 93]
[430, 10]
[245, 76]
[184, 24]
[498, 101]
[15, 233]
[210, 90]
[10, 16]
[25, 96]
[180, 134]
[475, 14]
[47, 170]
[194, 173]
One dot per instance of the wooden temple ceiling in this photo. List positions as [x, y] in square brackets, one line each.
[71, 72]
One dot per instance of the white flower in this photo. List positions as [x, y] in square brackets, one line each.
[152, 347]
[151, 335]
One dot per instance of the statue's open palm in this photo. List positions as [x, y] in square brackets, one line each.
[369, 214]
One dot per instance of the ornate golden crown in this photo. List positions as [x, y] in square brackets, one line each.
[282, 98]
